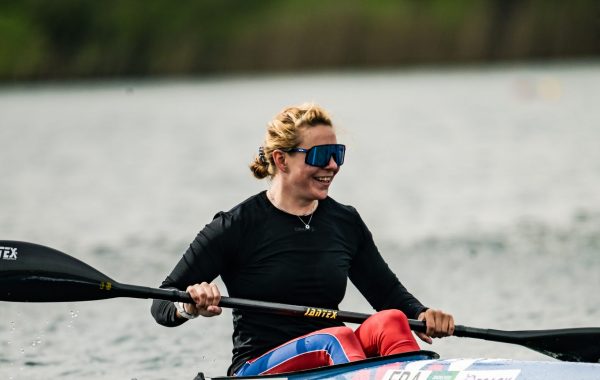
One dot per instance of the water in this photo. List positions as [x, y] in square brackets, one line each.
[480, 186]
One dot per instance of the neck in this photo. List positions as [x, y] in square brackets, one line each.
[292, 205]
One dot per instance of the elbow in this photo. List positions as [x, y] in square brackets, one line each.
[160, 310]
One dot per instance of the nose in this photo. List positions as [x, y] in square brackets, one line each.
[332, 165]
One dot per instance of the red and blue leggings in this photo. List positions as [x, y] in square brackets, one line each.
[384, 333]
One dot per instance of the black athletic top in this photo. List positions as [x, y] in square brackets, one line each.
[263, 253]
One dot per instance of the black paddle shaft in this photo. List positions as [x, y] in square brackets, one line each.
[35, 273]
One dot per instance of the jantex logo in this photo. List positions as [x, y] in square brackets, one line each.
[320, 313]
[8, 253]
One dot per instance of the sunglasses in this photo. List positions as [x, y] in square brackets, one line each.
[319, 155]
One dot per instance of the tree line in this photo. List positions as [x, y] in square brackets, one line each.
[62, 39]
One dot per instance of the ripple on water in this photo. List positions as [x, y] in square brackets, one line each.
[121, 339]
[35, 363]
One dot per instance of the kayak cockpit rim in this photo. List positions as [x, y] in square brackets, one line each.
[421, 355]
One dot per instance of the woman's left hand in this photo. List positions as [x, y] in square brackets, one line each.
[439, 324]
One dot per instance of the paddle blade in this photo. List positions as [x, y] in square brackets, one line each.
[35, 273]
[573, 345]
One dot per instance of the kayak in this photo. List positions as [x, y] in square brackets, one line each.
[426, 365]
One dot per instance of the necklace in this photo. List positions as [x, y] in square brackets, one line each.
[306, 225]
[312, 213]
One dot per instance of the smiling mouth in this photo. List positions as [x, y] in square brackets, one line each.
[326, 179]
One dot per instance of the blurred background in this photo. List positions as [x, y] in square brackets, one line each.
[472, 130]
[68, 39]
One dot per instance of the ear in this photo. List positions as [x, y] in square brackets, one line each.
[279, 158]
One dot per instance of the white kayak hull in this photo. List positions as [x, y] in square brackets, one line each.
[426, 365]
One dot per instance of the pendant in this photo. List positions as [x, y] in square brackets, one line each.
[307, 227]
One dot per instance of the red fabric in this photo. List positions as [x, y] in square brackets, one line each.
[386, 333]
[306, 360]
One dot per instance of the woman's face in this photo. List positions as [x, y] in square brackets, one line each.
[307, 182]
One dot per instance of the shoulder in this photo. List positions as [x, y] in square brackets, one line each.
[230, 224]
[346, 210]
[253, 201]
[346, 215]
[252, 207]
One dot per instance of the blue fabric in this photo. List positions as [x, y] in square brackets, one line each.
[312, 342]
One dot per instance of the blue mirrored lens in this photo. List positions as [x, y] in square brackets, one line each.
[320, 155]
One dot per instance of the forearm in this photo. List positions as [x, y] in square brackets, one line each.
[165, 313]
[403, 300]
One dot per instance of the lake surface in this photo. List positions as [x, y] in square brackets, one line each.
[481, 187]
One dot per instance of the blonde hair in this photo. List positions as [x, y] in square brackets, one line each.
[283, 133]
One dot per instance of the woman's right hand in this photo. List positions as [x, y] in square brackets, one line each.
[206, 297]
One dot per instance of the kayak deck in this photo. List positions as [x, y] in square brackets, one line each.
[426, 365]
[335, 371]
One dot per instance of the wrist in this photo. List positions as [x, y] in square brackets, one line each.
[422, 312]
[181, 312]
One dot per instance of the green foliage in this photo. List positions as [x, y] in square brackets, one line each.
[86, 38]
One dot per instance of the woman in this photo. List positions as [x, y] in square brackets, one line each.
[294, 244]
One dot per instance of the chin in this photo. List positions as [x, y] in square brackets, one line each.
[321, 194]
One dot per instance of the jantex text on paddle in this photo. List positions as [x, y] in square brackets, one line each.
[320, 313]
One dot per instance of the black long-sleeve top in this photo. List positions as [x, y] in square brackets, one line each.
[263, 253]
